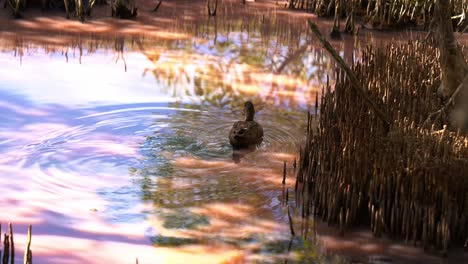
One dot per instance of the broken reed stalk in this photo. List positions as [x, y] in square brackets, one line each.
[284, 173]
[154, 10]
[9, 247]
[6, 249]
[410, 182]
[356, 85]
[28, 252]
[12, 244]
[291, 224]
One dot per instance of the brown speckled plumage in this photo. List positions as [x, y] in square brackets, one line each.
[248, 132]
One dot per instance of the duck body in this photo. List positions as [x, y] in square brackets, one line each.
[247, 133]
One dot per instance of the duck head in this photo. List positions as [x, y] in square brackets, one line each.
[249, 111]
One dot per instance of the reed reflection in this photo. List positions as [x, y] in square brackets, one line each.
[185, 195]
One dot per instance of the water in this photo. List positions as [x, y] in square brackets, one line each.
[117, 149]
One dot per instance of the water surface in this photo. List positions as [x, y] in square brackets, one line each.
[116, 148]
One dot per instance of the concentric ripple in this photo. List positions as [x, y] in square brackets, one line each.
[182, 143]
[83, 164]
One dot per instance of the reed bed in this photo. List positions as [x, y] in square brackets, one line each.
[80, 8]
[379, 13]
[409, 182]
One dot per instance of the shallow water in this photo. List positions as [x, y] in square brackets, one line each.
[116, 148]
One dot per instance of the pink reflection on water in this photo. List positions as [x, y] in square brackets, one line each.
[69, 225]
[53, 175]
[58, 193]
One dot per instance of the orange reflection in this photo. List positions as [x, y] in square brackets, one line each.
[190, 71]
[189, 54]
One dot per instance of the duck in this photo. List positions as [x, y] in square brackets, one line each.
[247, 133]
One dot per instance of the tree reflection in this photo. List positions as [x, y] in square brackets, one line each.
[242, 62]
[198, 195]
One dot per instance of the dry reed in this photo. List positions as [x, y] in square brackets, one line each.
[382, 14]
[9, 247]
[410, 182]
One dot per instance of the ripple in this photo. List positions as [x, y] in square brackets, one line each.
[178, 156]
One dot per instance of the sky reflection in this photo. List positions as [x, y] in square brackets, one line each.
[50, 79]
[109, 164]
[116, 147]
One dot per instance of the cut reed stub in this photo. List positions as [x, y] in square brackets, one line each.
[12, 244]
[291, 224]
[284, 173]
